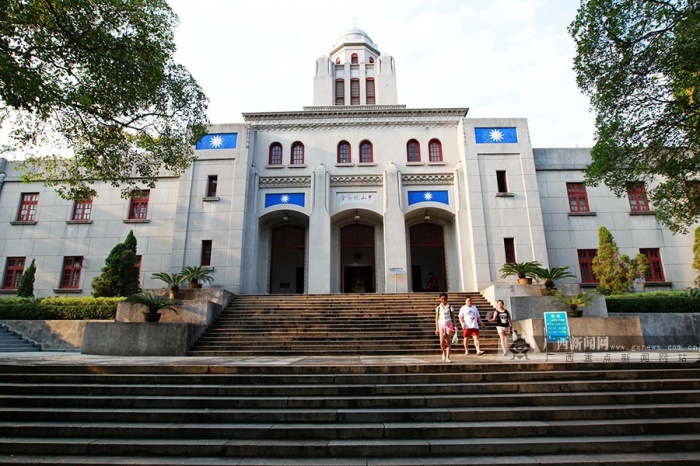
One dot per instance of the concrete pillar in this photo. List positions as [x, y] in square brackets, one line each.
[319, 273]
[395, 248]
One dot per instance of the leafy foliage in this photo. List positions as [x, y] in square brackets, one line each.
[696, 255]
[26, 283]
[519, 269]
[658, 301]
[120, 276]
[616, 273]
[639, 63]
[97, 77]
[580, 299]
[83, 308]
[172, 280]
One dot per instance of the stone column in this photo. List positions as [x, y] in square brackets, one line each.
[319, 253]
[395, 250]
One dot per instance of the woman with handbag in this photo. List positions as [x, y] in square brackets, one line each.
[444, 326]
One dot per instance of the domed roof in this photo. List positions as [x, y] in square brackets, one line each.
[354, 36]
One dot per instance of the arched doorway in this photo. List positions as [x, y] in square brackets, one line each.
[357, 259]
[427, 256]
[288, 251]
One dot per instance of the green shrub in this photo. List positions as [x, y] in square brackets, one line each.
[654, 301]
[83, 308]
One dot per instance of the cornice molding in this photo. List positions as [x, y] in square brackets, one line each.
[269, 182]
[438, 178]
[356, 180]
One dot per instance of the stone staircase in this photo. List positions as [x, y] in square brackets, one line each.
[495, 412]
[341, 324]
[12, 342]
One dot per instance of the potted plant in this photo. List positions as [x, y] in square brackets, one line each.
[580, 299]
[196, 274]
[549, 275]
[525, 271]
[173, 281]
[154, 303]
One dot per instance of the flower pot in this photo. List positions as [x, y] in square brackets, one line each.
[151, 316]
[524, 281]
[194, 285]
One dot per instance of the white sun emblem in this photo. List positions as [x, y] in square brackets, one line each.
[428, 196]
[284, 198]
[495, 135]
[216, 141]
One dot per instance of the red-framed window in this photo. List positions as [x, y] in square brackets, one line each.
[585, 263]
[340, 92]
[655, 272]
[354, 91]
[297, 154]
[578, 198]
[275, 154]
[509, 249]
[413, 151]
[435, 150]
[206, 253]
[344, 152]
[354, 59]
[14, 268]
[637, 195]
[370, 92]
[70, 277]
[138, 209]
[501, 181]
[82, 210]
[27, 207]
[212, 182]
[366, 152]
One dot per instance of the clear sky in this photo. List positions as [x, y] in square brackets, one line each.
[499, 58]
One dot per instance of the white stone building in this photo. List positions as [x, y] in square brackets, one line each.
[356, 193]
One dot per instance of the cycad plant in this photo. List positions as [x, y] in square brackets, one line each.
[153, 303]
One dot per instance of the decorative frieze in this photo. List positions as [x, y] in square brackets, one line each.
[432, 179]
[357, 180]
[269, 182]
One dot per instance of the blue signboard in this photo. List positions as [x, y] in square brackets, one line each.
[556, 325]
[495, 135]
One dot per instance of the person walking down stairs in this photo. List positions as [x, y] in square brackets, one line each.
[444, 326]
[471, 322]
[504, 324]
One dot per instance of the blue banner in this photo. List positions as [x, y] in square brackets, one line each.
[556, 325]
[218, 141]
[415, 197]
[495, 135]
[285, 198]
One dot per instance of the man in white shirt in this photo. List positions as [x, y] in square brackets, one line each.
[470, 320]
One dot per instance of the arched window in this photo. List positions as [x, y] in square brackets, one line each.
[275, 153]
[369, 91]
[435, 150]
[337, 61]
[371, 59]
[354, 91]
[344, 155]
[413, 151]
[297, 154]
[366, 152]
[339, 92]
[353, 59]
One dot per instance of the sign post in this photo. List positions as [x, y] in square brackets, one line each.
[556, 326]
[395, 271]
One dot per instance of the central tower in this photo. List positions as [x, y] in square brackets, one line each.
[355, 73]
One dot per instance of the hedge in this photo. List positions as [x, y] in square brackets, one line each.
[653, 301]
[83, 308]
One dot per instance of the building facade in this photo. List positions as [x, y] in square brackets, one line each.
[356, 193]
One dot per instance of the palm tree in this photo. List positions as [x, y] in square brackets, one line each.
[153, 303]
[521, 269]
[580, 299]
[173, 281]
[551, 274]
[196, 273]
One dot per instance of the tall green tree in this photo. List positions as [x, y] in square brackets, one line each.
[120, 276]
[616, 273]
[639, 63]
[26, 283]
[96, 79]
